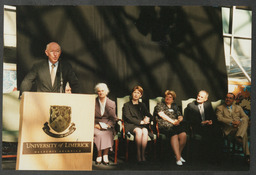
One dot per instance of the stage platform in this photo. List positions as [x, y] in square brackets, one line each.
[228, 163]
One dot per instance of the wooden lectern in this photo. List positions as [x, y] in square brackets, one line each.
[56, 131]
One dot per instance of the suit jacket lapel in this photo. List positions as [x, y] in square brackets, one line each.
[226, 111]
[108, 107]
[206, 106]
[55, 84]
[97, 107]
[46, 71]
[233, 109]
[197, 110]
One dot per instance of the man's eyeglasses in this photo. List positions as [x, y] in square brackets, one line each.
[231, 98]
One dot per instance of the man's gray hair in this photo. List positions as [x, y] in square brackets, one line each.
[47, 46]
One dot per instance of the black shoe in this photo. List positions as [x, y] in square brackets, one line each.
[247, 159]
[105, 163]
[144, 162]
[139, 162]
[97, 163]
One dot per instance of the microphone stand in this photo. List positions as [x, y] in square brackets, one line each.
[61, 80]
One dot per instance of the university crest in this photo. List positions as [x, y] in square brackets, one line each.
[59, 122]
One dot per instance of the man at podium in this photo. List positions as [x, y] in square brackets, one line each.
[51, 75]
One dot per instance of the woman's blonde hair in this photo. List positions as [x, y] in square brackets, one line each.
[172, 93]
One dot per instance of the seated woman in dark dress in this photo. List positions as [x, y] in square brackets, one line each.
[170, 123]
[105, 119]
[136, 121]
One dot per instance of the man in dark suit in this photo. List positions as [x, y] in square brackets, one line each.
[50, 75]
[203, 121]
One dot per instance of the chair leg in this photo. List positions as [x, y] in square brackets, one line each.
[162, 148]
[116, 149]
[234, 147]
[228, 146]
[127, 149]
[155, 149]
[151, 147]
[188, 149]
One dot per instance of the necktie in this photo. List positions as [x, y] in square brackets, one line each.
[52, 74]
[229, 109]
[202, 112]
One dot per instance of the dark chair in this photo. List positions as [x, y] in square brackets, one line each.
[120, 133]
[160, 137]
[191, 136]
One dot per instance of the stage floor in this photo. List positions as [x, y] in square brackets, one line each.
[231, 163]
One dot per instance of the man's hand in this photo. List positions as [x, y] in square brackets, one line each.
[206, 122]
[235, 124]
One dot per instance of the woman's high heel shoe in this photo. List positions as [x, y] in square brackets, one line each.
[98, 160]
[105, 160]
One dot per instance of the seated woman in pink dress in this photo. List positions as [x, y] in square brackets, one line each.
[105, 119]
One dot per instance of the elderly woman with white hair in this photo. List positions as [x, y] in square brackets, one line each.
[105, 119]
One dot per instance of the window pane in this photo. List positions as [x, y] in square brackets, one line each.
[242, 49]
[225, 19]
[235, 72]
[9, 28]
[227, 50]
[242, 23]
[242, 52]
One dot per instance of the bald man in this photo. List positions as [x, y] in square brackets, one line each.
[203, 121]
[47, 73]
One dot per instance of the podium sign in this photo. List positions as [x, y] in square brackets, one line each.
[56, 131]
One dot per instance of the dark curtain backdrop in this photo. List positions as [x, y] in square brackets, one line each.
[157, 47]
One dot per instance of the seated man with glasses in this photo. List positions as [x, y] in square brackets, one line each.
[235, 122]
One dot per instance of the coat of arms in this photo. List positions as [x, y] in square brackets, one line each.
[59, 122]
